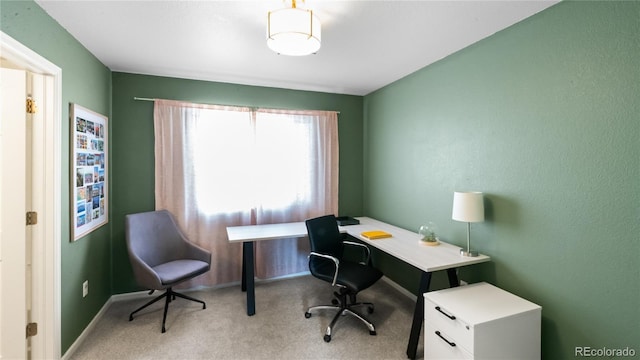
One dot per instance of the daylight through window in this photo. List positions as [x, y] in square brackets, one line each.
[258, 160]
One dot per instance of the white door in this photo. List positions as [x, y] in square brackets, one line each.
[13, 233]
[43, 164]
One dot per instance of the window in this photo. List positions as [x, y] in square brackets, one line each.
[257, 160]
[219, 166]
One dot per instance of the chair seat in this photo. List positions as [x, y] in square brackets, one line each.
[176, 271]
[353, 276]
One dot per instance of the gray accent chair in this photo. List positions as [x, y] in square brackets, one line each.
[162, 257]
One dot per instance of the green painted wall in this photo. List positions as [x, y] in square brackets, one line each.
[132, 136]
[544, 118]
[87, 82]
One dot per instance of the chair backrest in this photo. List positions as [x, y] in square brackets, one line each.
[325, 236]
[154, 237]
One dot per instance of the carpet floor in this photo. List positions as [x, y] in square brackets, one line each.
[278, 330]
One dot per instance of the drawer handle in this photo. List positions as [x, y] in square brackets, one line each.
[445, 314]
[452, 344]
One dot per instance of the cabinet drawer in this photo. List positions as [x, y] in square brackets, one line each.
[447, 322]
[441, 345]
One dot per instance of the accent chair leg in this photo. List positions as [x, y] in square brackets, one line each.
[187, 297]
[166, 308]
[147, 304]
[169, 296]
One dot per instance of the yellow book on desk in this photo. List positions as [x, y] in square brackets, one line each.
[375, 234]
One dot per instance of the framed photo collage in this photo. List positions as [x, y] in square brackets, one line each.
[89, 180]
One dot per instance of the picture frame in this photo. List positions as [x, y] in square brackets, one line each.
[89, 200]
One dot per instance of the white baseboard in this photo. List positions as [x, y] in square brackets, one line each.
[145, 293]
[399, 288]
[87, 330]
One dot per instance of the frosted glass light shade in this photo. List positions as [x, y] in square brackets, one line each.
[293, 31]
[468, 207]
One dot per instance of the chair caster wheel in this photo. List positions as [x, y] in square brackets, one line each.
[307, 314]
[163, 330]
[370, 309]
[372, 332]
[327, 338]
[334, 302]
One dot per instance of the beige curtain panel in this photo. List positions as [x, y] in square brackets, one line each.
[219, 166]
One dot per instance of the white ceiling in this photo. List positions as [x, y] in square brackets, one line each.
[365, 44]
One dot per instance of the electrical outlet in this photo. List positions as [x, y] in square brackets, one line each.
[85, 288]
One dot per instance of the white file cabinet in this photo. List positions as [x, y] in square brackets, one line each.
[480, 321]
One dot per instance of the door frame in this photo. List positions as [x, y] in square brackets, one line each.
[46, 281]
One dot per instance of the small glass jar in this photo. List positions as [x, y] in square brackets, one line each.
[428, 234]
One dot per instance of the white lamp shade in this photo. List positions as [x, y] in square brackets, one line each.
[468, 207]
[293, 31]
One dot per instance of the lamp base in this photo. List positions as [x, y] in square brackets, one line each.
[469, 253]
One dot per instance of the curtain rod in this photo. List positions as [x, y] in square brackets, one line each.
[251, 107]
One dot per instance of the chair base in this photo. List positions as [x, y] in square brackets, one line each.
[344, 308]
[169, 295]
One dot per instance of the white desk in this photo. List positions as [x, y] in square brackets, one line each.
[266, 232]
[404, 245]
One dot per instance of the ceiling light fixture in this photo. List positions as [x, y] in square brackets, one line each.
[293, 31]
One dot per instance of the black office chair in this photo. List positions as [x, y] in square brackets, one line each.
[162, 257]
[326, 262]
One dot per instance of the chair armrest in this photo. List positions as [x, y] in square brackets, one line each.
[335, 261]
[145, 276]
[366, 248]
[196, 252]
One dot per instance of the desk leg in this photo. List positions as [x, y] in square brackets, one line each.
[243, 281]
[248, 274]
[418, 315]
[453, 278]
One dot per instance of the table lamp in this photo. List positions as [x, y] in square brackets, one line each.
[468, 207]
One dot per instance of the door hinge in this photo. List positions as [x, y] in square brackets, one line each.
[32, 329]
[32, 217]
[32, 108]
